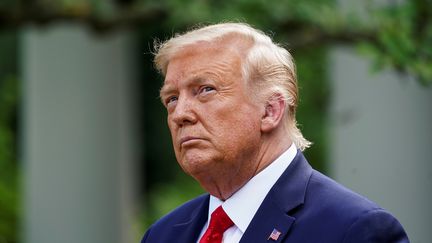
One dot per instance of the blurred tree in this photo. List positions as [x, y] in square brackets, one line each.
[396, 34]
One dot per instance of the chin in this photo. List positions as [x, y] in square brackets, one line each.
[197, 165]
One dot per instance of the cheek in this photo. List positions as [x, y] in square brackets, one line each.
[171, 125]
[173, 133]
[240, 129]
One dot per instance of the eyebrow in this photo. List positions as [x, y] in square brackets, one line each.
[167, 89]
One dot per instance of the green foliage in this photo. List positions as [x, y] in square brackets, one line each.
[9, 174]
[164, 197]
[403, 39]
[9, 184]
[312, 113]
[258, 12]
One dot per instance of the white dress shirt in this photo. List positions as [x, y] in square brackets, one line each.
[242, 205]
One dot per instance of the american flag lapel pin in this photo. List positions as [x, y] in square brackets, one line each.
[274, 235]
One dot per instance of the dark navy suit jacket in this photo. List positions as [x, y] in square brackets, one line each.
[304, 205]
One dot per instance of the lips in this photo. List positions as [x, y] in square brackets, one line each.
[188, 139]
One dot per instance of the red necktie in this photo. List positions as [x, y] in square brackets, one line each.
[219, 222]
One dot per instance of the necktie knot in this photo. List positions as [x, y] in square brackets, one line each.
[219, 223]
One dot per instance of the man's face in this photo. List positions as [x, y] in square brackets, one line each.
[214, 122]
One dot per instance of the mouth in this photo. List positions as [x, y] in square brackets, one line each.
[188, 140]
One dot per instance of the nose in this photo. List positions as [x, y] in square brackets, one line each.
[184, 112]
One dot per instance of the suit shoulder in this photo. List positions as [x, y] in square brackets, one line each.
[328, 205]
[376, 225]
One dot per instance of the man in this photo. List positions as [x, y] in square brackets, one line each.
[231, 96]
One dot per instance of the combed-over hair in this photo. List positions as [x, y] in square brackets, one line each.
[268, 67]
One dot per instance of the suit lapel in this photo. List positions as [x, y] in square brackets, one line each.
[190, 230]
[274, 213]
[268, 218]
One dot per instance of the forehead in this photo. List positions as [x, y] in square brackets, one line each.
[219, 58]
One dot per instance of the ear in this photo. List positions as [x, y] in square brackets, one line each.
[273, 114]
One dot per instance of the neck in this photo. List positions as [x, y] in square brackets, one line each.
[271, 148]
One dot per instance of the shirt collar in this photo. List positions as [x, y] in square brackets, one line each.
[242, 205]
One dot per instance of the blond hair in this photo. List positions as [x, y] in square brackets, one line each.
[267, 66]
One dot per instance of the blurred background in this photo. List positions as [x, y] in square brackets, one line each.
[85, 153]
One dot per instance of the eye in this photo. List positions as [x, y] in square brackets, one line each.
[171, 100]
[206, 89]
